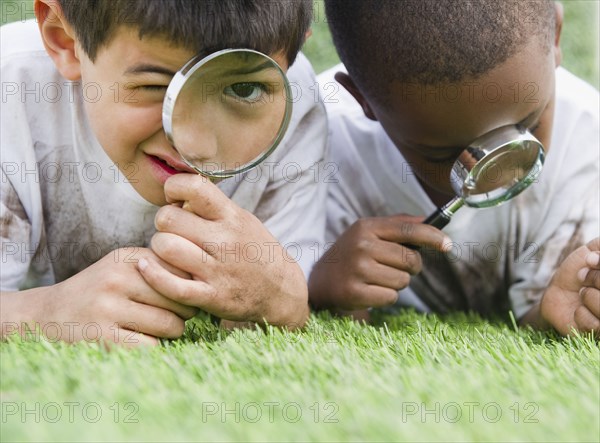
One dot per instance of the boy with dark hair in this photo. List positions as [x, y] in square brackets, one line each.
[87, 175]
[426, 78]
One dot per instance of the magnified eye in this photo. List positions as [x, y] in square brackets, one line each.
[248, 92]
[159, 88]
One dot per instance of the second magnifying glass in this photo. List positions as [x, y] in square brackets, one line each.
[227, 112]
[492, 170]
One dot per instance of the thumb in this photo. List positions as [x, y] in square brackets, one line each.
[593, 245]
[566, 276]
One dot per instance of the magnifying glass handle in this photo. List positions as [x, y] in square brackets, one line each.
[442, 216]
[438, 219]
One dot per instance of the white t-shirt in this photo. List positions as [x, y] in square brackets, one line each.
[503, 257]
[64, 204]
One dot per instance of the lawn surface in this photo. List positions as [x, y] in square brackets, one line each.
[407, 378]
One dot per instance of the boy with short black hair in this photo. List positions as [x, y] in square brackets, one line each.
[426, 78]
[85, 170]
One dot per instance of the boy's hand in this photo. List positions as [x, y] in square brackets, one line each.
[108, 301]
[572, 301]
[239, 271]
[369, 263]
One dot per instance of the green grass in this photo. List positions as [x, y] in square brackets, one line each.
[405, 379]
[579, 41]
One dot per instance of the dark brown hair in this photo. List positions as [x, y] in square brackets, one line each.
[202, 26]
[433, 41]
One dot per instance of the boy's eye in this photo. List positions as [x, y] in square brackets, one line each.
[154, 87]
[248, 92]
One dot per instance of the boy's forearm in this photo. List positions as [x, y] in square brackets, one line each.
[19, 311]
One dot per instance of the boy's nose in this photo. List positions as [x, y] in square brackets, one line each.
[197, 144]
[196, 136]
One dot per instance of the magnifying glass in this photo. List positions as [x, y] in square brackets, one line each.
[225, 113]
[495, 168]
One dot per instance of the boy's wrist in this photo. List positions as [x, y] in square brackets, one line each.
[292, 310]
[21, 311]
[293, 318]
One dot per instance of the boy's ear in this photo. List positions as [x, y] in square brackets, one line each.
[346, 81]
[559, 22]
[58, 38]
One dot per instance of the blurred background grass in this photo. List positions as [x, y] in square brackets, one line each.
[579, 40]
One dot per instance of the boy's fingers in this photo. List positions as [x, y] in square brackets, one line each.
[183, 254]
[593, 260]
[586, 321]
[386, 277]
[167, 266]
[591, 300]
[186, 224]
[594, 245]
[379, 297]
[172, 269]
[132, 339]
[153, 321]
[405, 230]
[589, 277]
[203, 197]
[187, 292]
[134, 254]
[151, 297]
[397, 256]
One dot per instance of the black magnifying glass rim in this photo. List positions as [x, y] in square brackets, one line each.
[498, 196]
[176, 86]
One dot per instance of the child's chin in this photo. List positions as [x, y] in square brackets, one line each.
[155, 196]
[157, 200]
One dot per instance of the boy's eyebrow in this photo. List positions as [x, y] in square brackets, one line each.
[252, 70]
[147, 68]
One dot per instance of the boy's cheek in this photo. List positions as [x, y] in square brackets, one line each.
[122, 124]
[544, 131]
[138, 125]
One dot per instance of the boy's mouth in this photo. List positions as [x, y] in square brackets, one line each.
[171, 166]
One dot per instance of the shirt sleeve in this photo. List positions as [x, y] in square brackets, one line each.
[570, 215]
[294, 200]
[15, 231]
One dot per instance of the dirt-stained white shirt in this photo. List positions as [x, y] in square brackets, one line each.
[502, 258]
[64, 204]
